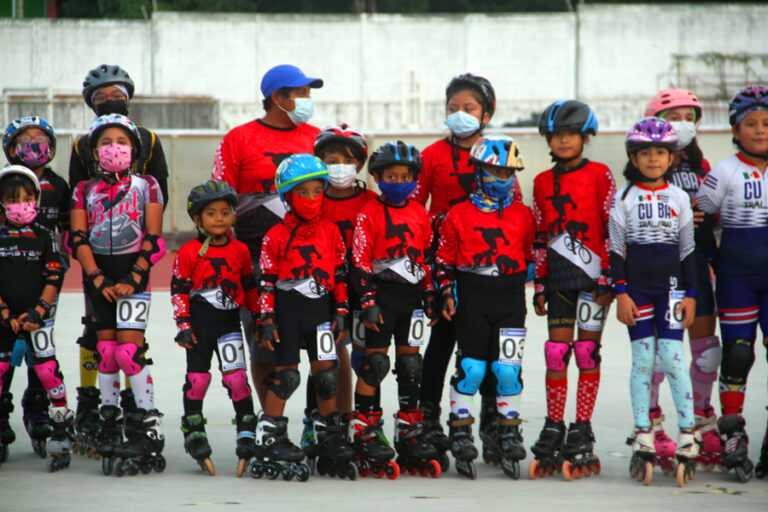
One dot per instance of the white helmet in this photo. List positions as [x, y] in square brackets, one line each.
[23, 171]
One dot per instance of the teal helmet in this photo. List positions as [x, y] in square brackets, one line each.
[297, 169]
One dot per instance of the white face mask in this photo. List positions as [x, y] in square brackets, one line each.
[342, 175]
[686, 131]
[302, 112]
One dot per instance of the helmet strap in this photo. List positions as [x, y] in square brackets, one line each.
[753, 155]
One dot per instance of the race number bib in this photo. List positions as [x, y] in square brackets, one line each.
[42, 340]
[675, 299]
[511, 342]
[133, 311]
[590, 315]
[231, 351]
[416, 333]
[326, 345]
[358, 329]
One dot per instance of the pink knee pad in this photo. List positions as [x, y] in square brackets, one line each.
[196, 385]
[557, 354]
[237, 385]
[587, 353]
[107, 361]
[126, 356]
[4, 365]
[52, 380]
[706, 355]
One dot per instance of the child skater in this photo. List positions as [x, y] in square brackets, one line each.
[212, 279]
[654, 277]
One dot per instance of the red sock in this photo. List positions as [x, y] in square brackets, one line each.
[731, 402]
[557, 392]
[586, 395]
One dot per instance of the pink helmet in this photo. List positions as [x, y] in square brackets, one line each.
[673, 98]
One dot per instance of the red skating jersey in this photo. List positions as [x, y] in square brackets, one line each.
[307, 258]
[447, 177]
[479, 242]
[249, 154]
[572, 225]
[343, 212]
[223, 276]
[390, 242]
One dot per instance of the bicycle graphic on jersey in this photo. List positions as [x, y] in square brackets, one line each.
[576, 246]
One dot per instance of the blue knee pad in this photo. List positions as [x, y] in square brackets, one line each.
[469, 375]
[509, 377]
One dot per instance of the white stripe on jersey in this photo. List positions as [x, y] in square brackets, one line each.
[737, 190]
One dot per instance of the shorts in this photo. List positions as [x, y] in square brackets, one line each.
[561, 308]
[742, 303]
[705, 299]
[297, 318]
[209, 324]
[103, 313]
[653, 319]
[258, 355]
[397, 302]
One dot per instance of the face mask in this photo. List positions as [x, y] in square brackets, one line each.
[305, 207]
[303, 111]
[21, 214]
[685, 131]
[342, 175]
[462, 124]
[112, 107]
[396, 193]
[496, 187]
[34, 154]
[115, 157]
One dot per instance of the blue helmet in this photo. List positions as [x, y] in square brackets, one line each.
[19, 125]
[567, 115]
[297, 169]
[496, 151]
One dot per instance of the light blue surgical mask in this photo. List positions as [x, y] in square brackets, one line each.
[462, 125]
[304, 108]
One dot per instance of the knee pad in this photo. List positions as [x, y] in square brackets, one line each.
[509, 377]
[52, 379]
[706, 356]
[107, 360]
[557, 355]
[469, 374]
[237, 385]
[326, 383]
[196, 385]
[738, 356]
[375, 368]
[288, 382]
[408, 369]
[587, 354]
[130, 358]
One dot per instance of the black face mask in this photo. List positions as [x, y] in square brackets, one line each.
[112, 107]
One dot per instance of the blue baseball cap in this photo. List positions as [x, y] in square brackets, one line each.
[286, 75]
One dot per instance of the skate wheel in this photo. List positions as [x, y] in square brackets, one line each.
[514, 471]
[586, 471]
[472, 471]
[577, 472]
[207, 466]
[50, 465]
[565, 468]
[302, 473]
[241, 465]
[680, 475]
[648, 474]
[378, 473]
[145, 468]
[632, 470]
[445, 462]
[287, 473]
[119, 468]
[321, 466]
[412, 470]
[393, 470]
[256, 470]
[351, 471]
[533, 469]
[311, 464]
[159, 465]
[742, 474]
[106, 465]
[132, 468]
[363, 471]
[435, 469]
[272, 471]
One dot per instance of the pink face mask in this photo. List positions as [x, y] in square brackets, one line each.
[21, 214]
[115, 157]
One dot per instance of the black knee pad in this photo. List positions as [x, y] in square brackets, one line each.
[326, 383]
[738, 357]
[288, 382]
[408, 369]
[375, 368]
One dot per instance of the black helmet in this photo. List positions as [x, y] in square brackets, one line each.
[103, 76]
[207, 192]
[395, 153]
[567, 115]
[476, 83]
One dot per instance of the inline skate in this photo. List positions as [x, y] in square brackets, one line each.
[664, 445]
[59, 445]
[710, 454]
[35, 403]
[87, 421]
[330, 453]
[245, 445]
[688, 441]
[415, 455]
[275, 454]
[196, 441]
[578, 451]
[734, 443]
[761, 470]
[373, 453]
[487, 417]
[433, 433]
[308, 438]
[7, 435]
[643, 455]
[504, 439]
[547, 450]
[110, 436]
[143, 446]
[463, 444]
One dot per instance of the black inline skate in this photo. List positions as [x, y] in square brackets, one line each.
[487, 418]
[87, 421]
[643, 455]
[415, 455]
[734, 441]
[245, 444]
[196, 441]
[276, 455]
[434, 434]
[463, 444]
[7, 435]
[35, 403]
[547, 450]
[59, 445]
[504, 439]
[330, 454]
[143, 446]
[110, 436]
[761, 470]
[373, 453]
[580, 459]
